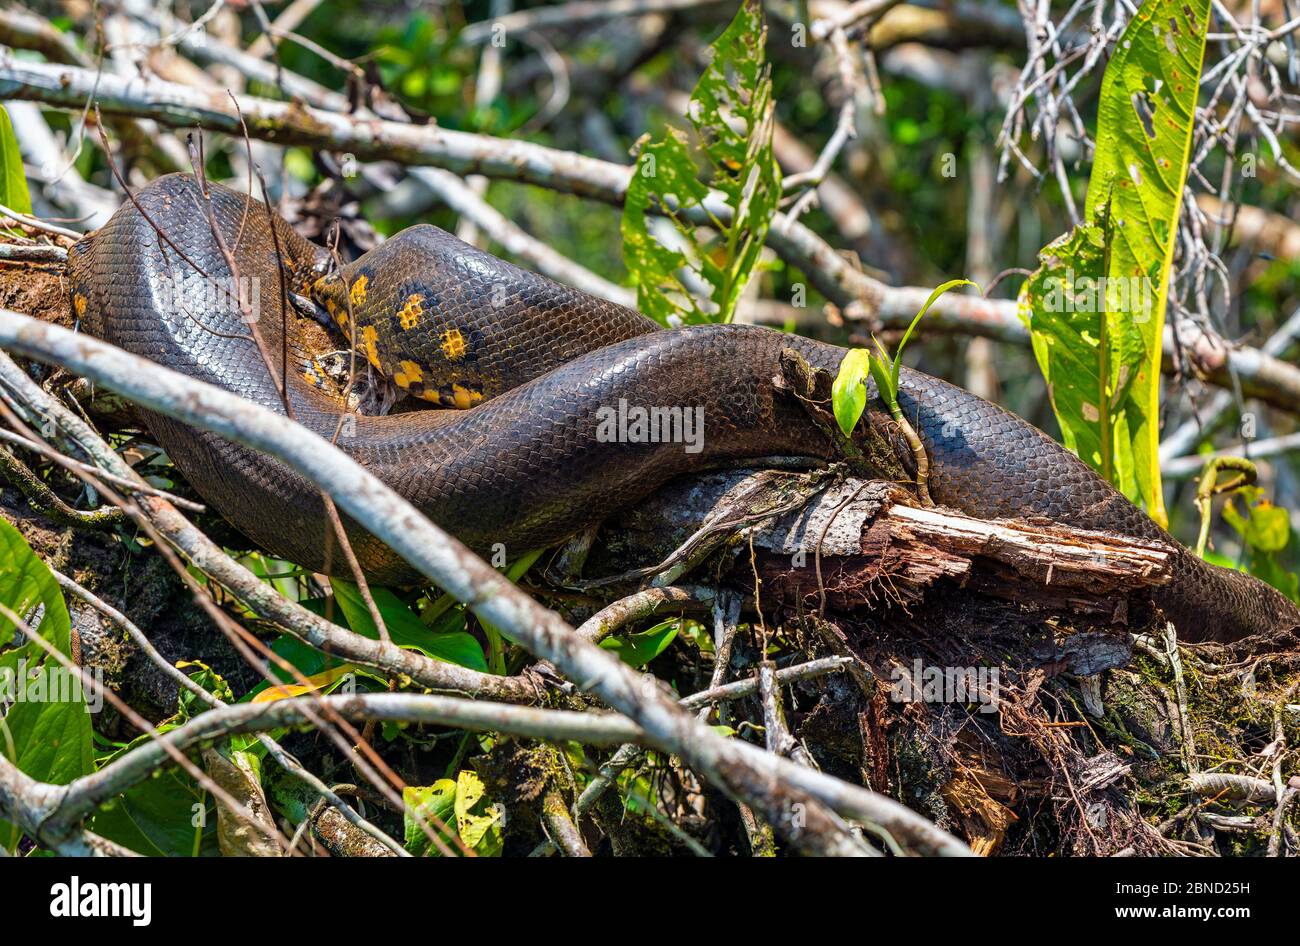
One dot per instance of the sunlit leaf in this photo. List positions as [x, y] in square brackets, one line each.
[1102, 358]
[848, 391]
[319, 682]
[731, 112]
[405, 627]
[637, 650]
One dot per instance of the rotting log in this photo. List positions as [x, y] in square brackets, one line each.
[873, 547]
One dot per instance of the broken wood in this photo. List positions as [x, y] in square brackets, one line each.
[864, 543]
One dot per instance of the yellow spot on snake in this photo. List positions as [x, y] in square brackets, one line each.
[409, 374]
[409, 317]
[431, 395]
[340, 316]
[79, 301]
[358, 292]
[464, 398]
[368, 339]
[453, 344]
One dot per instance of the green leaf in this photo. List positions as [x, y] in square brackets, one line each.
[46, 733]
[26, 585]
[898, 354]
[882, 373]
[477, 820]
[1265, 527]
[1102, 360]
[1266, 531]
[13, 179]
[637, 650]
[849, 391]
[164, 816]
[731, 112]
[463, 806]
[430, 801]
[405, 627]
[1077, 336]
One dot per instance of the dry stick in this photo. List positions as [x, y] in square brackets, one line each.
[861, 296]
[286, 761]
[629, 753]
[561, 830]
[49, 503]
[771, 785]
[35, 224]
[1186, 466]
[726, 615]
[59, 826]
[244, 644]
[597, 729]
[568, 14]
[37, 253]
[260, 597]
[643, 604]
[46, 451]
[778, 735]
[29, 802]
[1284, 794]
[1195, 429]
[288, 20]
[455, 193]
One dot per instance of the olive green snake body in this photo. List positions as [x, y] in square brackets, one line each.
[535, 368]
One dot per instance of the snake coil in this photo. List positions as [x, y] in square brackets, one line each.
[534, 362]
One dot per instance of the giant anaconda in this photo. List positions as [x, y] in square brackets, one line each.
[531, 364]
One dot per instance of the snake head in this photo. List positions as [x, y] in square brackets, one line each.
[312, 309]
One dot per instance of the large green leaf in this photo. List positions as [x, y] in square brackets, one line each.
[26, 587]
[637, 650]
[434, 803]
[731, 110]
[164, 816]
[46, 731]
[1085, 348]
[1266, 531]
[405, 627]
[13, 179]
[1102, 358]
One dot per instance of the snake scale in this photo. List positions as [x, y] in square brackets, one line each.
[531, 364]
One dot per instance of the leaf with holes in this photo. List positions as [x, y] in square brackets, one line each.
[731, 111]
[1076, 341]
[1102, 359]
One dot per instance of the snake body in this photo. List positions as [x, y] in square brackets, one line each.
[536, 367]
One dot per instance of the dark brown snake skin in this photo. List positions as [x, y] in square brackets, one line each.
[524, 467]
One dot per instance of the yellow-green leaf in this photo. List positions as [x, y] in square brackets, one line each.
[1102, 359]
[849, 391]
